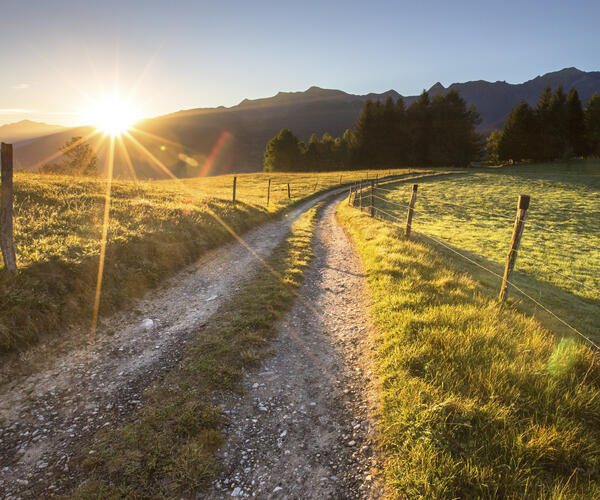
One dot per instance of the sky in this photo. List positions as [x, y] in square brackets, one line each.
[60, 57]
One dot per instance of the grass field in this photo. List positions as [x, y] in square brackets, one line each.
[477, 399]
[474, 214]
[155, 228]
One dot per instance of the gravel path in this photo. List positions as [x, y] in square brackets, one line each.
[44, 416]
[305, 428]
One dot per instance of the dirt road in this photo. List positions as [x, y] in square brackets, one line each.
[305, 429]
[44, 416]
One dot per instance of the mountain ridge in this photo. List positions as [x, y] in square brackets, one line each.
[242, 130]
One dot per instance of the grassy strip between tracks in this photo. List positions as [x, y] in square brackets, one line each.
[168, 449]
[478, 400]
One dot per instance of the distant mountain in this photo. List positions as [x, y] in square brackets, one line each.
[233, 139]
[495, 100]
[25, 130]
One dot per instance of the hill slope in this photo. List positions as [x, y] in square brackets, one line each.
[234, 139]
[25, 130]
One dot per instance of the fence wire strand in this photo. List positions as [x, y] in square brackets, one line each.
[516, 287]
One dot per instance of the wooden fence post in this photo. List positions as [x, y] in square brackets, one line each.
[340, 179]
[360, 198]
[411, 207]
[511, 257]
[372, 198]
[268, 192]
[234, 185]
[349, 194]
[289, 194]
[6, 209]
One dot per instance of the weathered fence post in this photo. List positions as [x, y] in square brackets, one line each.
[268, 192]
[360, 197]
[411, 207]
[377, 178]
[372, 198]
[349, 194]
[234, 185]
[289, 193]
[6, 209]
[511, 257]
[340, 179]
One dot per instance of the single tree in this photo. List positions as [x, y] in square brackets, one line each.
[575, 124]
[284, 153]
[518, 141]
[592, 125]
[492, 147]
[78, 158]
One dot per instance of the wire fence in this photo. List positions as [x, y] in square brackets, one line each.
[372, 199]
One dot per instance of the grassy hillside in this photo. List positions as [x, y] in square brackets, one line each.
[477, 399]
[155, 228]
[474, 214]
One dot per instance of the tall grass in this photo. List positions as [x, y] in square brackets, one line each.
[477, 399]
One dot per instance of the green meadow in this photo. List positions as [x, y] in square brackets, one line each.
[558, 263]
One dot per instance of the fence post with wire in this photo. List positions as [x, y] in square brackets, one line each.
[411, 209]
[506, 280]
[515, 242]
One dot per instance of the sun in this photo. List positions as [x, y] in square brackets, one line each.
[112, 115]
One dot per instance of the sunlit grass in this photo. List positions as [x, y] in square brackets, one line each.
[154, 229]
[477, 399]
[475, 214]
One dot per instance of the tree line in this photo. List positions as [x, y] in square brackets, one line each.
[429, 132]
[557, 128]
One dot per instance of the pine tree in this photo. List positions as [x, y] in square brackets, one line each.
[365, 135]
[402, 143]
[592, 125]
[558, 124]
[543, 131]
[419, 125]
[518, 138]
[575, 124]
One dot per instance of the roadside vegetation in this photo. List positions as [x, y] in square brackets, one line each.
[474, 214]
[155, 228]
[168, 449]
[477, 399]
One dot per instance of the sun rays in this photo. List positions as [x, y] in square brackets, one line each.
[120, 144]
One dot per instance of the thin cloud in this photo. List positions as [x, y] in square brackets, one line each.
[16, 111]
[21, 86]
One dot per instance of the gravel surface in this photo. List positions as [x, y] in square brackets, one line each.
[306, 427]
[45, 416]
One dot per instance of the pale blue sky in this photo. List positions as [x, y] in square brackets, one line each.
[208, 53]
